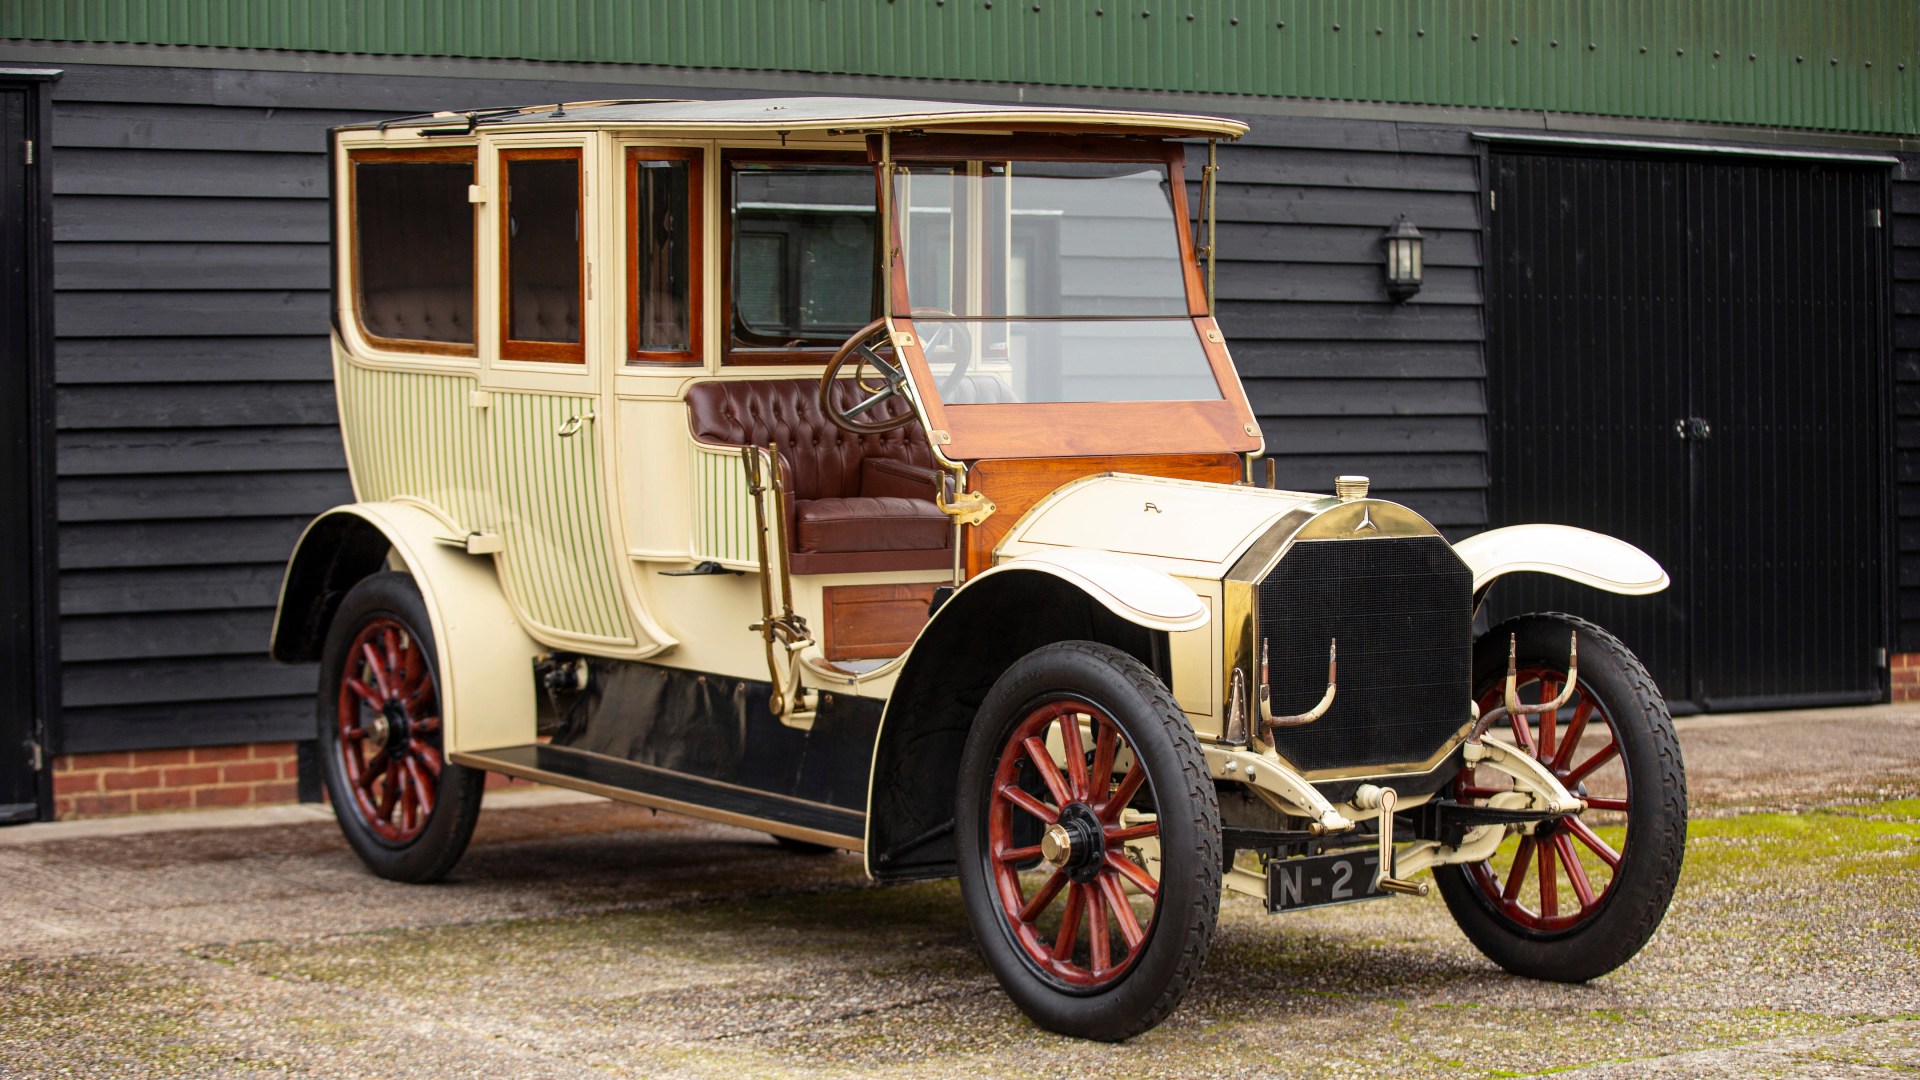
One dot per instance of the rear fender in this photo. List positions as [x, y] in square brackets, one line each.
[1589, 558]
[485, 658]
[995, 619]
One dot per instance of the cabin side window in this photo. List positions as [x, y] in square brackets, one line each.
[803, 254]
[664, 192]
[541, 260]
[413, 248]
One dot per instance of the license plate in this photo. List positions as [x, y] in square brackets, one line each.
[1319, 880]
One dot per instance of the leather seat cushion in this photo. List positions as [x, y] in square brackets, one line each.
[823, 461]
[863, 524]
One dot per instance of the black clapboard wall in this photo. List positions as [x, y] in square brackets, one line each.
[196, 419]
[1906, 400]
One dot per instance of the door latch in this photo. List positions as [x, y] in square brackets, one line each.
[572, 427]
[1692, 429]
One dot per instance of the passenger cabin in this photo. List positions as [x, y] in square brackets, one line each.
[590, 340]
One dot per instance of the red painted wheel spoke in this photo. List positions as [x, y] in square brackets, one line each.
[364, 692]
[1132, 832]
[1017, 855]
[1123, 917]
[1598, 803]
[1577, 728]
[1076, 752]
[1049, 772]
[1549, 882]
[1600, 757]
[1030, 804]
[422, 788]
[1100, 945]
[1576, 873]
[426, 726]
[1522, 733]
[1592, 839]
[396, 659]
[370, 775]
[1106, 748]
[1048, 890]
[1122, 795]
[1518, 872]
[429, 757]
[353, 734]
[1069, 922]
[389, 793]
[1128, 869]
[378, 671]
[1549, 721]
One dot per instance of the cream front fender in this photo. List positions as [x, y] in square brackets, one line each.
[485, 658]
[1139, 594]
[1589, 558]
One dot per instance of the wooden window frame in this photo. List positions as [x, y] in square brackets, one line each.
[468, 154]
[695, 157]
[811, 354]
[560, 352]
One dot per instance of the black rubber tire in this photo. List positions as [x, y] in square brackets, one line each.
[802, 847]
[1189, 816]
[432, 854]
[1656, 836]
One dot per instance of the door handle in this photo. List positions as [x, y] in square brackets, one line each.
[573, 424]
[1692, 429]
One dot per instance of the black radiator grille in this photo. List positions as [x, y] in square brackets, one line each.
[1402, 610]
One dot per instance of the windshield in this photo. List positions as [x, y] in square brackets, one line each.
[1049, 281]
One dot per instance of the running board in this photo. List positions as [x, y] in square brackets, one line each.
[662, 789]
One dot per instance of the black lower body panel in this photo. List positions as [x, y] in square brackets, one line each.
[650, 786]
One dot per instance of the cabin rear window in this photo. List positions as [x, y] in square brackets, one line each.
[413, 245]
[803, 271]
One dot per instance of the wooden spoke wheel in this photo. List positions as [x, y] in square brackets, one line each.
[1088, 836]
[1572, 898]
[407, 811]
[389, 728]
[1086, 919]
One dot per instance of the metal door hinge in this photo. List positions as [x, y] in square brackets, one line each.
[1692, 429]
[1493, 199]
[1877, 223]
[476, 193]
[36, 755]
[29, 151]
[1880, 656]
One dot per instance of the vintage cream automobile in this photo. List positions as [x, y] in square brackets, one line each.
[873, 474]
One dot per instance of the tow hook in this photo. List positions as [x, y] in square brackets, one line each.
[1367, 797]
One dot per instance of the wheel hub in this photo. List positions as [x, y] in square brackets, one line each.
[1076, 843]
[388, 727]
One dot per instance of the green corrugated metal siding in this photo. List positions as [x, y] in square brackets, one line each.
[1845, 65]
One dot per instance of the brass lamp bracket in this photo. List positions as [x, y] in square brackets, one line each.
[1308, 717]
[964, 507]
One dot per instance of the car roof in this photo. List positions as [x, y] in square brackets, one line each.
[839, 114]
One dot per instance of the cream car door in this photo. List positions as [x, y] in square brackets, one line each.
[558, 553]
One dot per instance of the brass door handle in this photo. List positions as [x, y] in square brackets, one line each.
[573, 424]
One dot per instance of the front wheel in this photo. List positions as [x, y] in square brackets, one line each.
[406, 810]
[1572, 899]
[1088, 834]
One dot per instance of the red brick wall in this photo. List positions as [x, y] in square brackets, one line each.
[1906, 676]
[137, 781]
[141, 781]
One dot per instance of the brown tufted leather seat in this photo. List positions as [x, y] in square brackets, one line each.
[856, 502]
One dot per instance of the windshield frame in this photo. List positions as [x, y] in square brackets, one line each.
[1061, 429]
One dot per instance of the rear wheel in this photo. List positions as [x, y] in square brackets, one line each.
[1088, 834]
[407, 811]
[1575, 898]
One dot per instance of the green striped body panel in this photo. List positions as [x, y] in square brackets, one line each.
[417, 435]
[723, 520]
[559, 560]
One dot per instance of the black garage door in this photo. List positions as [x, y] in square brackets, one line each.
[1689, 353]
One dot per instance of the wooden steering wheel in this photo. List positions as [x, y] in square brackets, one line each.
[893, 380]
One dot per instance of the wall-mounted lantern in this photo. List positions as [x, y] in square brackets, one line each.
[1403, 243]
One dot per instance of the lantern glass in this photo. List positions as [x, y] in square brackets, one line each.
[1404, 259]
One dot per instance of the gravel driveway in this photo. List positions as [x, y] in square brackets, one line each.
[588, 938]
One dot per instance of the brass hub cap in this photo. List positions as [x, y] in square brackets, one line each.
[1056, 846]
